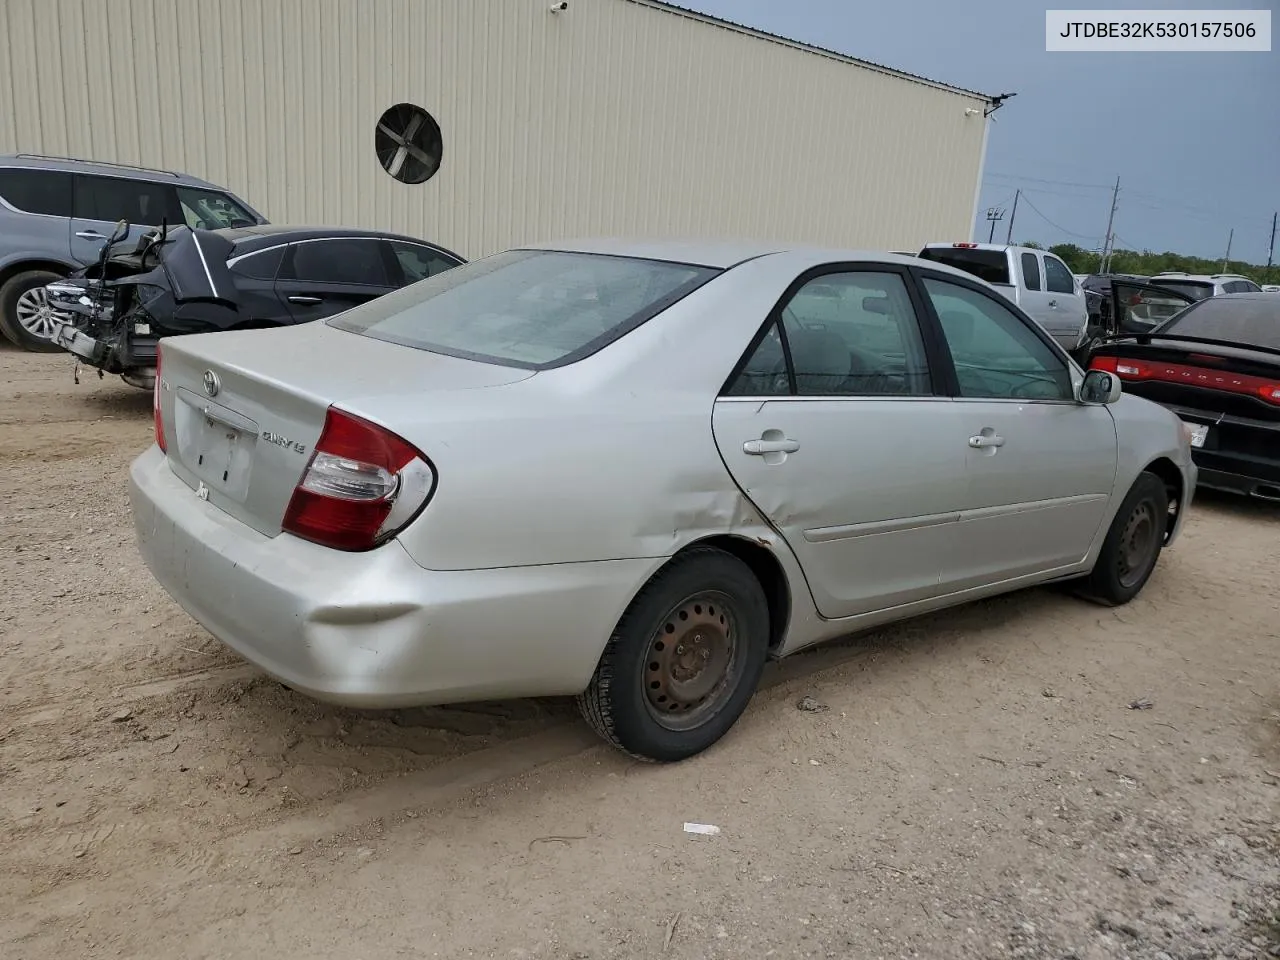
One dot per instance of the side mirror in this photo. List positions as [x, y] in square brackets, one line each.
[1100, 387]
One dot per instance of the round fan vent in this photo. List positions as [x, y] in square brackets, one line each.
[408, 143]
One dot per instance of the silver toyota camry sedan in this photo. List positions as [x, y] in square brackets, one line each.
[633, 472]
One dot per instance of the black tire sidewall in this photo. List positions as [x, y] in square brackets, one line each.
[14, 288]
[633, 727]
[1104, 582]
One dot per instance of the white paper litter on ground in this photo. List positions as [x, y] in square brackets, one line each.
[706, 829]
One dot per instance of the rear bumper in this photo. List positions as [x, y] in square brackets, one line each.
[1240, 455]
[375, 629]
[1240, 483]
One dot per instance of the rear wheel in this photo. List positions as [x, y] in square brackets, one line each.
[26, 317]
[684, 659]
[1133, 543]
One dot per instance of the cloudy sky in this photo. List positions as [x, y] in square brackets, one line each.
[1193, 137]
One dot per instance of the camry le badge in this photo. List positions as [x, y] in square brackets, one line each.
[211, 383]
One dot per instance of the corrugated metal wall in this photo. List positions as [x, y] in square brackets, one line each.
[612, 118]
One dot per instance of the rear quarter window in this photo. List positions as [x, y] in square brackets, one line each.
[45, 192]
[989, 265]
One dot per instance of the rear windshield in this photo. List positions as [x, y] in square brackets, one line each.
[1247, 321]
[989, 265]
[1188, 288]
[526, 308]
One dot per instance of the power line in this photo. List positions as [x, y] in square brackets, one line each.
[1071, 233]
[1153, 201]
[1060, 183]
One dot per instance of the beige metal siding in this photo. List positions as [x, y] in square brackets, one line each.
[613, 118]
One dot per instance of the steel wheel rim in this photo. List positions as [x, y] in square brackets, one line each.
[691, 661]
[1137, 544]
[35, 314]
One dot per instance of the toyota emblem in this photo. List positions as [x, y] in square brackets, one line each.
[211, 383]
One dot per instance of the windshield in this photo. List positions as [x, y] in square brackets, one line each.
[989, 265]
[1188, 288]
[1248, 321]
[527, 308]
[211, 210]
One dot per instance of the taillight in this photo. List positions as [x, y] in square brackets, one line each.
[156, 413]
[1264, 388]
[363, 485]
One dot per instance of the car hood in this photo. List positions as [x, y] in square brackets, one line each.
[195, 263]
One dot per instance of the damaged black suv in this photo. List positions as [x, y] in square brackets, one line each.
[178, 280]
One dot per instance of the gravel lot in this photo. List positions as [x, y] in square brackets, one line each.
[975, 784]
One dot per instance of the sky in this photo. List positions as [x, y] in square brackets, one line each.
[1193, 137]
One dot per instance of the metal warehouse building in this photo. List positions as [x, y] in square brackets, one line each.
[486, 123]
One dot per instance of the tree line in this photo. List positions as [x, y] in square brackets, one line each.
[1147, 263]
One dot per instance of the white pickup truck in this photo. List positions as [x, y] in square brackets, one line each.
[1035, 280]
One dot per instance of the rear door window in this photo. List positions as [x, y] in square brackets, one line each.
[989, 265]
[1031, 271]
[113, 198]
[1057, 277]
[351, 260]
[855, 334]
[45, 192]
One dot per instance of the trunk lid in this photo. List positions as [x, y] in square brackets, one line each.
[242, 411]
[1207, 377]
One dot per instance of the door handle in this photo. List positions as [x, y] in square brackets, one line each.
[1053, 303]
[90, 235]
[980, 441]
[306, 301]
[758, 448]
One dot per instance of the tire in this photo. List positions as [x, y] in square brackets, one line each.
[18, 292]
[1133, 544]
[684, 659]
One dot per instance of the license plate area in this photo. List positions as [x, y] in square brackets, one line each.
[216, 444]
[1199, 434]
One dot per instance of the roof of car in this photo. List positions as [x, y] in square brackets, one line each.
[1198, 277]
[1270, 298]
[723, 254]
[261, 236]
[103, 168]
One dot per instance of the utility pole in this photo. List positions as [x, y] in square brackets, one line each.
[1109, 241]
[1227, 259]
[1009, 236]
[994, 216]
[1271, 247]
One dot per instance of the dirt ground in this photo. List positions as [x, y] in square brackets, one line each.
[975, 784]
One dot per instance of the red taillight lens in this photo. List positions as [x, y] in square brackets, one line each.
[1264, 388]
[156, 413]
[362, 486]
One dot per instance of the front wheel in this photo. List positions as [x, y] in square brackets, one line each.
[1133, 543]
[684, 659]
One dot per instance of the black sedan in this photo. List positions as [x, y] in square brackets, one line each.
[177, 281]
[1216, 364]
